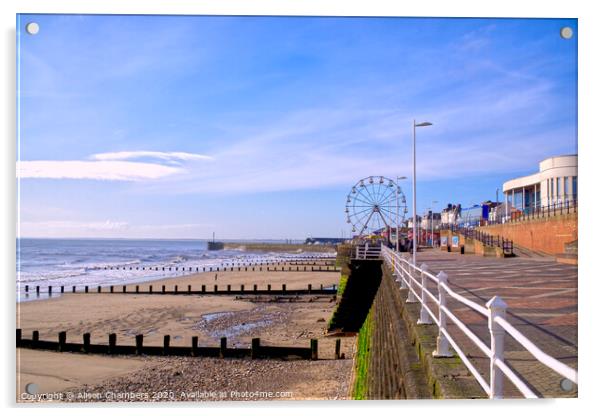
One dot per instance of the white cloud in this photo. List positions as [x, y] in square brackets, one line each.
[169, 156]
[112, 166]
[110, 229]
[99, 170]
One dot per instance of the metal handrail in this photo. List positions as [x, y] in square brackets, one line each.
[495, 311]
[541, 356]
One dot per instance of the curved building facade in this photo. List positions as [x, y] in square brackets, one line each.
[554, 184]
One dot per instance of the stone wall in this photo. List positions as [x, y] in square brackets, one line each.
[394, 369]
[547, 235]
[400, 362]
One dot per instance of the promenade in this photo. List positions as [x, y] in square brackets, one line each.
[542, 303]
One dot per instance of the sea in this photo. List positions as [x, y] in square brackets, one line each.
[101, 262]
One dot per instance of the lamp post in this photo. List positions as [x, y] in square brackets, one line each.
[432, 225]
[414, 247]
[397, 207]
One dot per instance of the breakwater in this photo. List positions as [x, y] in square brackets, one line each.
[285, 248]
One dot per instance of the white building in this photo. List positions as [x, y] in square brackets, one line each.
[432, 220]
[555, 183]
[450, 214]
[411, 221]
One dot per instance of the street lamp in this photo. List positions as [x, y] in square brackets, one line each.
[432, 223]
[414, 248]
[399, 178]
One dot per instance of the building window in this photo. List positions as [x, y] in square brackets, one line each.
[551, 196]
[574, 187]
[566, 188]
[558, 189]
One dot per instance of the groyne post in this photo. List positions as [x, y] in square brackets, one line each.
[255, 346]
[139, 344]
[314, 348]
[166, 339]
[223, 345]
[62, 341]
[86, 346]
[112, 343]
[195, 346]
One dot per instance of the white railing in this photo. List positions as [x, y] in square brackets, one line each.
[495, 311]
[367, 252]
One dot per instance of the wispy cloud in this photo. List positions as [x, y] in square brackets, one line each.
[111, 229]
[114, 166]
[168, 156]
[100, 170]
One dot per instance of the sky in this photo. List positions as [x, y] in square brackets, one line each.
[258, 127]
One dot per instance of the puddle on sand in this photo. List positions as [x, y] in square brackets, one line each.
[234, 324]
[240, 329]
[215, 315]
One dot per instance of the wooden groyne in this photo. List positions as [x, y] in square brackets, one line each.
[190, 290]
[277, 267]
[255, 351]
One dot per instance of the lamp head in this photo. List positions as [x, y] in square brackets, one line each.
[424, 124]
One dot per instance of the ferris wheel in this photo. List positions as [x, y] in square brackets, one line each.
[375, 203]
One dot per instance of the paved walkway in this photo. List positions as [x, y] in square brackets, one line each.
[542, 304]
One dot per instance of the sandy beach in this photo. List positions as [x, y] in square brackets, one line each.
[209, 317]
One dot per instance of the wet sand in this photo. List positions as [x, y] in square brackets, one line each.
[209, 317]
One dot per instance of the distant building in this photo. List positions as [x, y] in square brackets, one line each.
[555, 183]
[450, 214]
[411, 221]
[431, 221]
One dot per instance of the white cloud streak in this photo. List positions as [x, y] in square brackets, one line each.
[97, 170]
[114, 166]
[111, 229]
[169, 156]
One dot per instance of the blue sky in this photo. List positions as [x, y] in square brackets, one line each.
[257, 127]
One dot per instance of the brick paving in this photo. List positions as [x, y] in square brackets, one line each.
[542, 304]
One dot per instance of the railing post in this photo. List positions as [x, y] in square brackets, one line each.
[442, 342]
[403, 282]
[497, 307]
[411, 297]
[425, 318]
